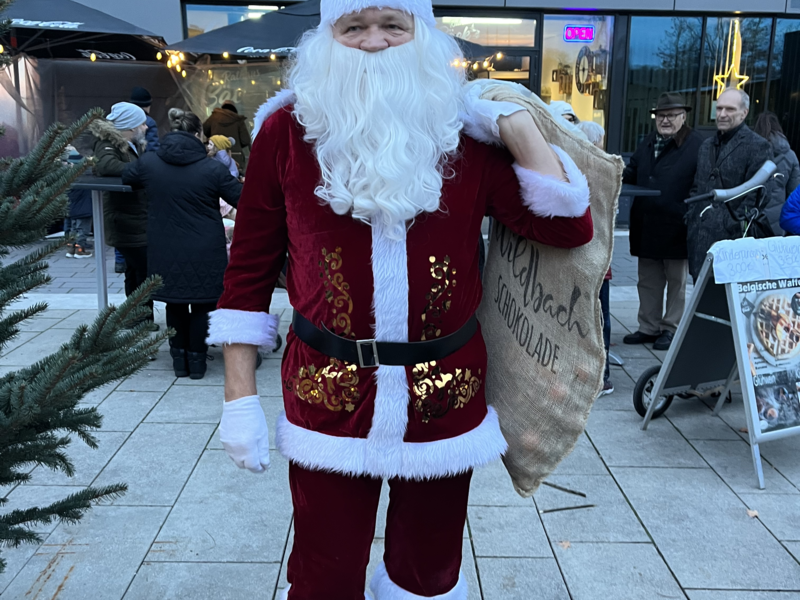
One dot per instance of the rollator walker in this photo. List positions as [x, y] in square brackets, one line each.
[702, 360]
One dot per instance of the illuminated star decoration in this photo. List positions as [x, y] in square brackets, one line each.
[733, 60]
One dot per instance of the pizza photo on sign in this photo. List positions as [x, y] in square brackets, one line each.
[776, 328]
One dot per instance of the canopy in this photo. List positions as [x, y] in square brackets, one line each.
[67, 29]
[274, 33]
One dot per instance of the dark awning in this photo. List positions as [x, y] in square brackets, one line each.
[67, 29]
[274, 33]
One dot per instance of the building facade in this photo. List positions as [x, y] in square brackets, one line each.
[610, 59]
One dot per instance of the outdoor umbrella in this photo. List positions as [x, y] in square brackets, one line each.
[67, 29]
[274, 33]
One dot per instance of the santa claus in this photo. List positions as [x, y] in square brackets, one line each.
[368, 171]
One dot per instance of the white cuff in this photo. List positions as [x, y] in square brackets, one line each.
[229, 326]
[386, 589]
[546, 196]
[480, 116]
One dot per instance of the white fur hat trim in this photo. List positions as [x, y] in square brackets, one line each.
[331, 10]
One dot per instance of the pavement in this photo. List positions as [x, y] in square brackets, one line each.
[675, 510]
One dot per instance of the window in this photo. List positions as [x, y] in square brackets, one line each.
[576, 59]
[664, 57]
[736, 55]
[784, 86]
[201, 18]
[490, 31]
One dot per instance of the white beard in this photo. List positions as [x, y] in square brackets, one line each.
[383, 124]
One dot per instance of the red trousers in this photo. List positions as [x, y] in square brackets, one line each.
[334, 524]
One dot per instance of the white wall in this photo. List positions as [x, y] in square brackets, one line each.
[162, 17]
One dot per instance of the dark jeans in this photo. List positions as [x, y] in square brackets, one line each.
[81, 228]
[135, 270]
[191, 328]
[606, 324]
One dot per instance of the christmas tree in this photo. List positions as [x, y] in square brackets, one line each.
[39, 405]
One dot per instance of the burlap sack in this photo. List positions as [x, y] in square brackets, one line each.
[541, 318]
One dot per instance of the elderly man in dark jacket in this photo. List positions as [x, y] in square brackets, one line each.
[726, 160]
[118, 141]
[227, 121]
[666, 161]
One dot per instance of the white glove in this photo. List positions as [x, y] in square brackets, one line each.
[244, 435]
[480, 116]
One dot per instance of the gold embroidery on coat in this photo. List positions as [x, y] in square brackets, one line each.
[437, 392]
[438, 298]
[335, 385]
[336, 292]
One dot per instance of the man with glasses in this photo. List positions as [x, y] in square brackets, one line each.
[726, 160]
[666, 161]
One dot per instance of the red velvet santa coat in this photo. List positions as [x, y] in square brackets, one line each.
[428, 420]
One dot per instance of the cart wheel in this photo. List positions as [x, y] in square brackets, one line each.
[642, 391]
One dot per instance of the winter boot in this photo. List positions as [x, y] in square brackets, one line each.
[197, 365]
[180, 361]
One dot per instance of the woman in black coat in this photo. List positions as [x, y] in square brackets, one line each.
[185, 234]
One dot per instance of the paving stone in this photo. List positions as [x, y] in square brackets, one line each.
[622, 396]
[634, 367]
[123, 411]
[491, 486]
[15, 353]
[16, 559]
[725, 595]
[156, 461]
[95, 558]
[38, 323]
[782, 454]
[268, 379]
[695, 421]
[521, 579]
[87, 462]
[148, 381]
[507, 531]
[583, 460]
[780, 513]
[618, 571]
[794, 548]
[80, 317]
[188, 404]
[203, 581]
[734, 463]
[28, 496]
[97, 395]
[228, 514]
[619, 438]
[469, 569]
[611, 519]
[703, 531]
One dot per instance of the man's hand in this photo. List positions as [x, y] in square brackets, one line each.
[528, 146]
[244, 434]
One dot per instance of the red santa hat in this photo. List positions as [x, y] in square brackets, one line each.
[332, 10]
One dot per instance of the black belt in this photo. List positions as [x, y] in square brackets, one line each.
[369, 353]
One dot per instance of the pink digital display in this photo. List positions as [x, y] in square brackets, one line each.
[579, 33]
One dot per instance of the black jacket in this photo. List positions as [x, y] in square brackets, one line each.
[185, 235]
[125, 213]
[657, 225]
[722, 166]
[230, 124]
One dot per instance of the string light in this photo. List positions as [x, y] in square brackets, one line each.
[486, 64]
[499, 56]
[252, 81]
[159, 56]
[183, 73]
[475, 66]
[178, 68]
[93, 57]
[272, 57]
[2, 49]
[279, 81]
[225, 55]
[182, 56]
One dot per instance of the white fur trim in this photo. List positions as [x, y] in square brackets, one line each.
[228, 326]
[331, 10]
[424, 460]
[390, 306]
[480, 116]
[285, 594]
[547, 196]
[278, 101]
[386, 589]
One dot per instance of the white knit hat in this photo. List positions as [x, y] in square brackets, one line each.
[332, 10]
